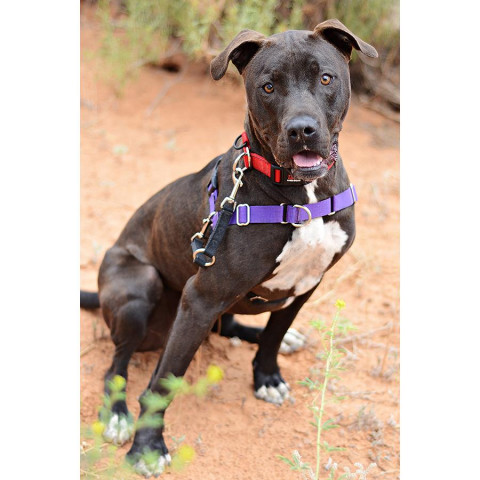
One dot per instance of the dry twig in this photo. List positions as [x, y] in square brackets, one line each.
[87, 349]
[362, 336]
[168, 85]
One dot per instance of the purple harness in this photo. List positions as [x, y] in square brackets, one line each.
[297, 215]
[243, 214]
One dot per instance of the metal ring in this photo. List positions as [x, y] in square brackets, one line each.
[244, 144]
[306, 222]
[201, 250]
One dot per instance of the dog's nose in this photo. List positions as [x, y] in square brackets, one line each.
[301, 128]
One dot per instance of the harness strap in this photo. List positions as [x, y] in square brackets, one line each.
[294, 214]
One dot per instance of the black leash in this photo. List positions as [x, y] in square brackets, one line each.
[205, 255]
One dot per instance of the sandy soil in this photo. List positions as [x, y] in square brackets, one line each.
[126, 156]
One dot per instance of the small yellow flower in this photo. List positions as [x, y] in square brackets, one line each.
[214, 374]
[98, 427]
[119, 382]
[186, 453]
[340, 304]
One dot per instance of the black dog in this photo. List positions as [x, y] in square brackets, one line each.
[277, 212]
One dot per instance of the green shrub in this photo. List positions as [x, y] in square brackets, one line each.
[147, 31]
[375, 21]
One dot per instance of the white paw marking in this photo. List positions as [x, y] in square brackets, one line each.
[275, 395]
[304, 258]
[292, 341]
[154, 468]
[119, 429]
[235, 341]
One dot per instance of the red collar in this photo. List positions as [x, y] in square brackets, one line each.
[278, 175]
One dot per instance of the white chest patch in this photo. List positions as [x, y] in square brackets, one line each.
[307, 255]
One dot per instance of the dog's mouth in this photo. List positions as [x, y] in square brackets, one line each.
[307, 160]
[308, 165]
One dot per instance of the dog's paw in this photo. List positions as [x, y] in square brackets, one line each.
[271, 387]
[292, 341]
[276, 395]
[155, 467]
[119, 429]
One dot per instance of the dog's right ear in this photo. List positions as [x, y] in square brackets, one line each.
[240, 51]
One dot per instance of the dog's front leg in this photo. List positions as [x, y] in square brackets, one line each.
[268, 382]
[197, 311]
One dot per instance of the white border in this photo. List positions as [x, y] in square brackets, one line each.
[39, 109]
[439, 240]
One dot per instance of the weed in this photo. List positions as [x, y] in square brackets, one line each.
[332, 358]
[120, 150]
[99, 460]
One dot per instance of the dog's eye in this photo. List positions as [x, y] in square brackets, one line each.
[268, 87]
[326, 79]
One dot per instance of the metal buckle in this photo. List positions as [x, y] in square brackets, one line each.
[306, 222]
[201, 250]
[333, 212]
[283, 174]
[242, 224]
[284, 216]
[353, 193]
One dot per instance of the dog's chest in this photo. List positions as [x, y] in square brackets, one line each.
[307, 255]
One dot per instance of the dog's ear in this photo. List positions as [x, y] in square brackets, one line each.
[240, 51]
[341, 37]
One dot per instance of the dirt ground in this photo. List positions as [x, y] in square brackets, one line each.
[167, 125]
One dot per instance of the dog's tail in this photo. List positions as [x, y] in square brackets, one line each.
[89, 300]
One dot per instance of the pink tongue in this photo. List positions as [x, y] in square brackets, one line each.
[306, 159]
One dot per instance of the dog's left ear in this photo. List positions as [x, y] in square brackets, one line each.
[240, 51]
[341, 37]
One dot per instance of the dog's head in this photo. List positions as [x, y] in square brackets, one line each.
[298, 91]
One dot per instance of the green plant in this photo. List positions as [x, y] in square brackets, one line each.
[144, 30]
[98, 459]
[332, 357]
[376, 21]
[147, 31]
[133, 39]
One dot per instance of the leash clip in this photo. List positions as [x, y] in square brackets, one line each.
[206, 223]
[238, 169]
[237, 183]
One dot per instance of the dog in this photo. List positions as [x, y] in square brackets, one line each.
[273, 214]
